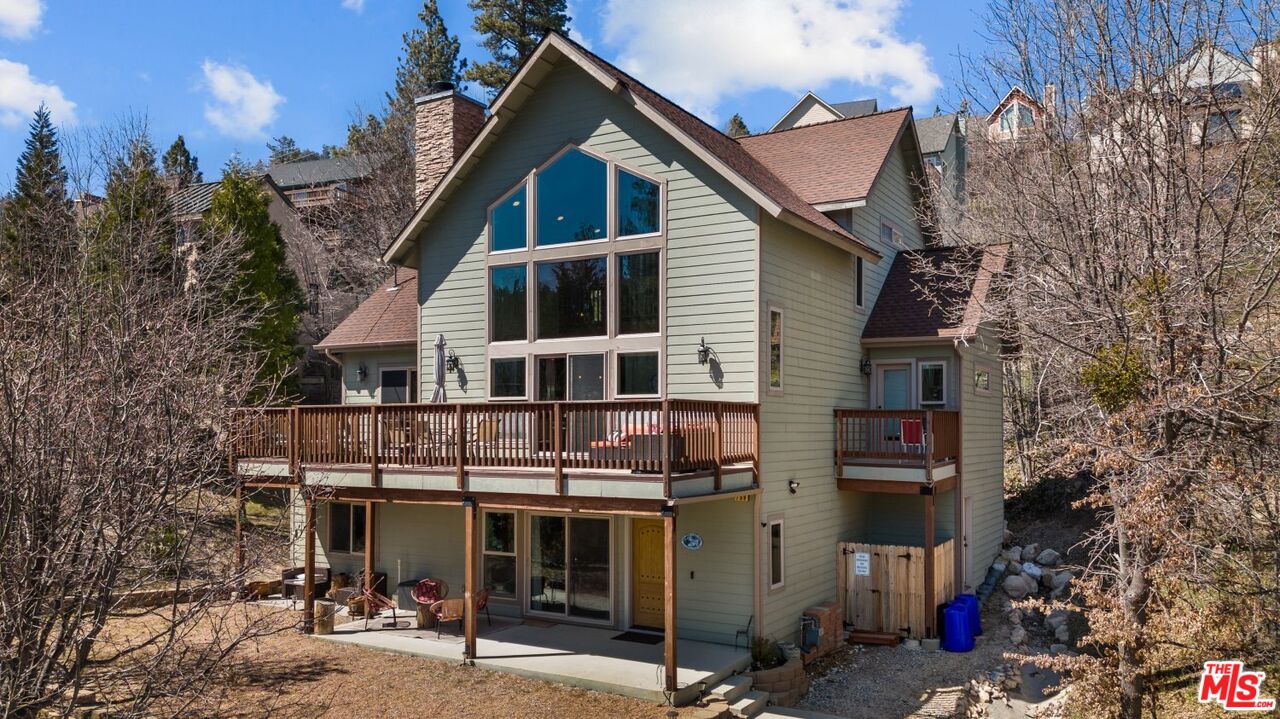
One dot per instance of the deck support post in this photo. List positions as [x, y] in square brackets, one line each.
[239, 535]
[369, 548]
[309, 569]
[469, 583]
[669, 599]
[930, 606]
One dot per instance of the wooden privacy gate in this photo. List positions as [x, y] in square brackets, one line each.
[884, 585]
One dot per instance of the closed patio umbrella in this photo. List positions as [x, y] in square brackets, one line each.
[439, 395]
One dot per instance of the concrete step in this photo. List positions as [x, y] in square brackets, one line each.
[793, 713]
[731, 688]
[749, 705]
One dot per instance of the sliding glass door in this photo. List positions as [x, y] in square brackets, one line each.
[569, 566]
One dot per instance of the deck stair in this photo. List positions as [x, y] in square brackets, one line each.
[749, 705]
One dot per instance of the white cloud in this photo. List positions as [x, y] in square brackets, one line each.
[19, 18]
[699, 53]
[353, 5]
[21, 94]
[242, 104]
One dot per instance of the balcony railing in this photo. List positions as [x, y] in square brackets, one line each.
[922, 438]
[659, 437]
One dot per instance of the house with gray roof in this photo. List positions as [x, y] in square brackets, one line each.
[320, 182]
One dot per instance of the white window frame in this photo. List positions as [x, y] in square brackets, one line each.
[617, 372]
[613, 570]
[615, 168]
[514, 554]
[524, 184]
[895, 237]
[609, 319]
[978, 389]
[351, 539]
[782, 351]
[489, 377]
[780, 523]
[920, 367]
[529, 294]
[614, 286]
[412, 378]
[532, 230]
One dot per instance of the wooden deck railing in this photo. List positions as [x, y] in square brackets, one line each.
[915, 437]
[660, 437]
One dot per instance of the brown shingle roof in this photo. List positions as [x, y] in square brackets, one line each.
[903, 310]
[725, 148]
[830, 161]
[388, 317]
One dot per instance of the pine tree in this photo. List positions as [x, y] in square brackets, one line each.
[285, 149]
[511, 30]
[265, 287]
[430, 54]
[736, 127]
[134, 226]
[37, 217]
[179, 163]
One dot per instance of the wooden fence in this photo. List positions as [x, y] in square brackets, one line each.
[884, 585]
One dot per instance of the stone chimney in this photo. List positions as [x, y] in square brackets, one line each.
[446, 121]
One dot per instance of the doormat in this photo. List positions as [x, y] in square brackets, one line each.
[639, 638]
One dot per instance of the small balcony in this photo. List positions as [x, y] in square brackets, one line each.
[642, 449]
[875, 447]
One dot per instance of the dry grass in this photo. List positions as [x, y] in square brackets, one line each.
[285, 675]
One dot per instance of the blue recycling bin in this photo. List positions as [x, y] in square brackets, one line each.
[957, 636]
[970, 603]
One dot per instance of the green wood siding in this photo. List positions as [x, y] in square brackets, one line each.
[713, 585]
[356, 392]
[982, 437]
[710, 226]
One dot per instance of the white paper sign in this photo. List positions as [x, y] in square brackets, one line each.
[862, 564]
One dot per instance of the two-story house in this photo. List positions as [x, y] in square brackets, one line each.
[633, 375]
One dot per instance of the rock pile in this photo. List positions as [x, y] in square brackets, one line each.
[1030, 570]
[990, 687]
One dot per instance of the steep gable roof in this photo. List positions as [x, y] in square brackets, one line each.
[721, 152]
[903, 310]
[194, 200]
[836, 161]
[857, 108]
[934, 132]
[388, 317]
[323, 171]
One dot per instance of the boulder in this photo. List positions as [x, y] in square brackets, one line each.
[1030, 581]
[1062, 634]
[1015, 587]
[1061, 580]
[1015, 616]
[1029, 552]
[1008, 538]
[1032, 569]
[1056, 649]
[1012, 555]
[1046, 578]
[1056, 618]
[1048, 558]
[1018, 635]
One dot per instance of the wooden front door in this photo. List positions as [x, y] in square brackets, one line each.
[647, 573]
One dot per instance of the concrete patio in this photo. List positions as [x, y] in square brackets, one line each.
[579, 656]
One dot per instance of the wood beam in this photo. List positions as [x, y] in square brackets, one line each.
[521, 501]
[472, 549]
[369, 548]
[309, 568]
[669, 600]
[930, 605]
[239, 534]
[887, 486]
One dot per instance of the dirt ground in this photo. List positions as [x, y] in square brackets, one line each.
[286, 675]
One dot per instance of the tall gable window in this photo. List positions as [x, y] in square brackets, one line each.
[637, 205]
[571, 299]
[507, 303]
[508, 222]
[573, 199]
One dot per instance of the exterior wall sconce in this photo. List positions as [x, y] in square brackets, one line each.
[362, 372]
[792, 486]
[704, 352]
[865, 366]
[451, 363]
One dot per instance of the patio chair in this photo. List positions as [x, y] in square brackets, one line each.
[450, 610]
[744, 633]
[293, 582]
[430, 591]
[375, 602]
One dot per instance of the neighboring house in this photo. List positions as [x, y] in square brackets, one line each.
[321, 182]
[681, 370]
[812, 109]
[1017, 113]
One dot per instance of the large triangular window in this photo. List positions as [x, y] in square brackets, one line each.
[573, 200]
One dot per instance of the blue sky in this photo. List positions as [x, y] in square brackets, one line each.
[230, 75]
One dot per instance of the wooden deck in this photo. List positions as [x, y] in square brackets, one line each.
[875, 445]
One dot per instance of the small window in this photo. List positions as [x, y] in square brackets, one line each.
[508, 303]
[858, 280]
[777, 559]
[638, 293]
[638, 374]
[508, 222]
[1026, 118]
[887, 234]
[346, 528]
[500, 553]
[637, 205]
[1222, 126]
[1007, 119]
[933, 384]
[572, 200]
[775, 349]
[571, 299]
[982, 380]
[507, 379]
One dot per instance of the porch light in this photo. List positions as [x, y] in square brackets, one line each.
[362, 372]
[704, 352]
[865, 366]
[451, 362]
[792, 486]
